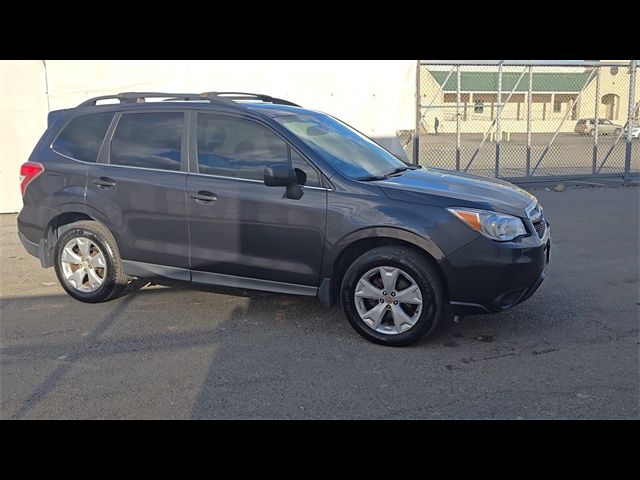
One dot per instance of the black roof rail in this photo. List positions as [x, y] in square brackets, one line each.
[139, 97]
[226, 98]
[248, 96]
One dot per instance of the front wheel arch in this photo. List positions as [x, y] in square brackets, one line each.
[356, 248]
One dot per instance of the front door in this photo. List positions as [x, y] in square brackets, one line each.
[244, 233]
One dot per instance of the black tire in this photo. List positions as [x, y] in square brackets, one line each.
[116, 282]
[418, 267]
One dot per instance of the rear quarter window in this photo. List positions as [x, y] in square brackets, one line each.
[82, 137]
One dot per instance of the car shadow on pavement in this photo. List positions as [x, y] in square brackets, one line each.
[71, 357]
[269, 348]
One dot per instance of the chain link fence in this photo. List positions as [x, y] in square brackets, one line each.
[528, 121]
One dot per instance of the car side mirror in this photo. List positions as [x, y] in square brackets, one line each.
[283, 175]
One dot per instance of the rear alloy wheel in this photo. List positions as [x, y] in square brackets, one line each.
[83, 264]
[88, 265]
[392, 295]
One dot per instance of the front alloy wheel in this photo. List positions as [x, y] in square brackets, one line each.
[388, 300]
[392, 295]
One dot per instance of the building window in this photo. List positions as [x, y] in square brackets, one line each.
[478, 107]
[557, 105]
[611, 101]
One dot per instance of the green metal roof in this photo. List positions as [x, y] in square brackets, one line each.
[571, 82]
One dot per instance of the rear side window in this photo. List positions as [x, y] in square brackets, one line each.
[148, 140]
[81, 138]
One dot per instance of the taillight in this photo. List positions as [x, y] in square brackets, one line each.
[28, 172]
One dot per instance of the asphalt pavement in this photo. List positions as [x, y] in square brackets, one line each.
[571, 351]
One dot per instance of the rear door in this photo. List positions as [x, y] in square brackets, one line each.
[138, 186]
[240, 228]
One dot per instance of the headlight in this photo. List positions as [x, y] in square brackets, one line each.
[496, 226]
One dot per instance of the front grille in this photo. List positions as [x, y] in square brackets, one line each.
[540, 227]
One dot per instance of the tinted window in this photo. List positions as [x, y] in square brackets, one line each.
[150, 140]
[312, 177]
[233, 147]
[82, 137]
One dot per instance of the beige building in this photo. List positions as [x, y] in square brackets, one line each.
[560, 97]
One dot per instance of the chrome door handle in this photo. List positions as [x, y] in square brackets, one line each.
[104, 182]
[204, 196]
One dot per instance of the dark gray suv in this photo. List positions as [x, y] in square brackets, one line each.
[249, 191]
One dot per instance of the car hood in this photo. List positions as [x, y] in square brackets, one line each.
[446, 188]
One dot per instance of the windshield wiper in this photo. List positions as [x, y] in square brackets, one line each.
[382, 177]
[371, 178]
[397, 170]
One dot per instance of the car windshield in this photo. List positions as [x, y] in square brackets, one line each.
[348, 151]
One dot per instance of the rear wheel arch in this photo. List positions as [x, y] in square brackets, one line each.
[60, 224]
[57, 223]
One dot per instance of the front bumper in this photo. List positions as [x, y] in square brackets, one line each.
[489, 277]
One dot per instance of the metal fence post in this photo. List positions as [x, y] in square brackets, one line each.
[597, 118]
[529, 89]
[632, 103]
[416, 135]
[498, 132]
[458, 119]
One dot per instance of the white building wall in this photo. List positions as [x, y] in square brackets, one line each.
[376, 97]
[23, 118]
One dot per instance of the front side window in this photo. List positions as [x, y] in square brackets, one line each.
[310, 177]
[234, 147]
[148, 140]
[82, 137]
[348, 151]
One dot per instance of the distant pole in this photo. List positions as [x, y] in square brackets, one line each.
[596, 120]
[458, 119]
[632, 103]
[529, 89]
[416, 135]
[498, 132]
